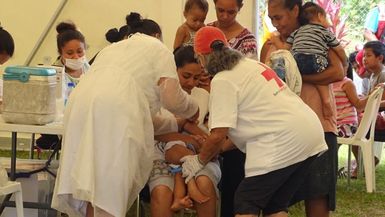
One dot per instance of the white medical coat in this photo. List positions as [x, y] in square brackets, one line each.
[108, 141]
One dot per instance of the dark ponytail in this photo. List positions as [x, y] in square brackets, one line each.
[115, 35]
[145, 26]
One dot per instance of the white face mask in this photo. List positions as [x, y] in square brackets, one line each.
[75, 64]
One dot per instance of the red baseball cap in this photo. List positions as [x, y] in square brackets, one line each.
[359, 60]
[205, 36]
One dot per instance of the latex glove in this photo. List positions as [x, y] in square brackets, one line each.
[190, 166]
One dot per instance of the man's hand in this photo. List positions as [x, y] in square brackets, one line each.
[191, 166]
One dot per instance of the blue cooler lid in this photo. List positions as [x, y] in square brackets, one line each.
[22, 73]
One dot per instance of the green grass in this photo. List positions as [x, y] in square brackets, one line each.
[352, 201]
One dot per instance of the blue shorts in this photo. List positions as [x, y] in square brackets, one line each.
[309, 64]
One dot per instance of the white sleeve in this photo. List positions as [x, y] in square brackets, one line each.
[223, 104]
[175, 99]
[164, 62]
[164, 122]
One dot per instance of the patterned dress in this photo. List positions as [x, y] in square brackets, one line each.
[244, 42]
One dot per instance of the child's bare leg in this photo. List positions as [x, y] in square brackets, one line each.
[176, 152]
[180, 199]
[161, 200]
[195, 193]
[327, 109]
[209, 208]
[355, 154]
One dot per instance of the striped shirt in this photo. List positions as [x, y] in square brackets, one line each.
[346, 112]
[312, 39]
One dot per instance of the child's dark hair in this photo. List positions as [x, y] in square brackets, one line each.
[310, 10]
[67, 32]
[115, 35]
[184, 55]
[145, 26]
[239, 3]
[202, 4]
[377, 47]
[349, 72]
[352, 57]
[7, 45]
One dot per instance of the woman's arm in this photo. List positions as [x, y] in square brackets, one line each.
[168, 137]
[265, 50]
[228, 145]
[176, 100]
[193, 128]
[213, 144]
[333, 73]
[351, 93]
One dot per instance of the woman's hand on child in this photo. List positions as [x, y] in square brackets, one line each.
[204, 81]
[275, 38]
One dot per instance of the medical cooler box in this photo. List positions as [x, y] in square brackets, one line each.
[29, 95]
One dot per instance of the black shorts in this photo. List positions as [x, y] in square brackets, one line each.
[271, 192]
[322, 178]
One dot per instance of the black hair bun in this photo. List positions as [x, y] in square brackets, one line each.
[124, 31]
[112, 35]
[134, 20]
[217, 45]
[63, 26]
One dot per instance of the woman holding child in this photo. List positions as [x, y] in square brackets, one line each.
[319, 188]
[168, 193]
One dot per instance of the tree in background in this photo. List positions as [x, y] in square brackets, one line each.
[339, 28]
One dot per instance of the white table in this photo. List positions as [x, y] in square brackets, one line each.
[55, 128]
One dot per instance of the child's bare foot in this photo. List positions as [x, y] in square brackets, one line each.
[181, 203]
[198, 196]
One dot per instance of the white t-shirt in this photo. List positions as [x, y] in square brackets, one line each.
[266, 120]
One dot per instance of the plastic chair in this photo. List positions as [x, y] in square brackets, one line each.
[11, 187]
[366, 144]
